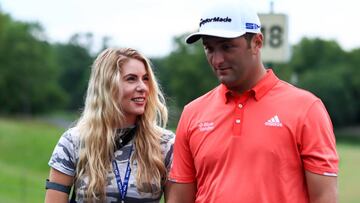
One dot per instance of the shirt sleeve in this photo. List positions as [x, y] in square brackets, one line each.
[63, 157]
[318, 148]
[182, 169]
[167, 145]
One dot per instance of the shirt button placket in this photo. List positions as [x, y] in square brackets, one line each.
[238, 123]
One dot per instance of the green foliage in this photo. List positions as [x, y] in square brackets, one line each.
[36, 76]
[282, 71]
[185, 73]
[331, 87]
[311, 54]
[75, 62]
[353, 79]
[323, 68]
[28, 69]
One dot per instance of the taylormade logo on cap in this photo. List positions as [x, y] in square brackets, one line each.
[226, 20]
[214, 19]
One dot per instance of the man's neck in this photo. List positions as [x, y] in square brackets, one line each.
[257, 75]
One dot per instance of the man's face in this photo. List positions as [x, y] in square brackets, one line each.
[232, 60]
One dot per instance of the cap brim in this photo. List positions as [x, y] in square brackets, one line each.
[214, 33]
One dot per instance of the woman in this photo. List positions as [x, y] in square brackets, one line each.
[119, 150]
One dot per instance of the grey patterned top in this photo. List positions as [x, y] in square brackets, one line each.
[66, 155]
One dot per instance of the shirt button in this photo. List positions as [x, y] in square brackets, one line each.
[240, 106]
[237, 121]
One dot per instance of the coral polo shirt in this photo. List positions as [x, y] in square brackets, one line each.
[254, 147]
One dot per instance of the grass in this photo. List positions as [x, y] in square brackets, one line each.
[26, 146]
[349, 176]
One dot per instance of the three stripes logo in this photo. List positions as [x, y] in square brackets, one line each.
[274, 122]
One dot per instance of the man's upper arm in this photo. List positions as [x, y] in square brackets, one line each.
[180, 192]
[319, 155]
[322, 189]
[317, 141]
[183, 166]
[181, 187]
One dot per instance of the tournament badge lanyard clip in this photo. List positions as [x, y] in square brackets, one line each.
[122, 186]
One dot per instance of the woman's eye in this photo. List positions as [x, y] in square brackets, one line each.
[130, 79]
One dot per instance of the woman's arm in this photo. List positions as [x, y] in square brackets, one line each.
[54, 196]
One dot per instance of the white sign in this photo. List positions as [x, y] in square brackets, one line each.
[276, 47]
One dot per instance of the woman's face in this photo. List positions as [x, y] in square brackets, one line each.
[135, 88]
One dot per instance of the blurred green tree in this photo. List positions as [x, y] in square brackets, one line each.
[353, 79]
[331, 86]
[74, 60]
[28, 72]
[321, 67]
[311, 54]
[184, 73]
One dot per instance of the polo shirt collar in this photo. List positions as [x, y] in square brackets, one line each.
[259, 90]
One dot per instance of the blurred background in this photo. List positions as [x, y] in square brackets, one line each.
[46, 50]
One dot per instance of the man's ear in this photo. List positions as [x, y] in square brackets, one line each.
[257, 42]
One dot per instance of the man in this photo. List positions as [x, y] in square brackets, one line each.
[254, 138]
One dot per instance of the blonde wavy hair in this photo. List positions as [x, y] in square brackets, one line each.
[102, 115]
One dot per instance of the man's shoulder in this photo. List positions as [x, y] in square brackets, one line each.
[203, 99]
[291, 91]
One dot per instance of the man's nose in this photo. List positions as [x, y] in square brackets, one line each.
[217, 59]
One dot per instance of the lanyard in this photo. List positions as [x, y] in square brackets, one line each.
[122, 186]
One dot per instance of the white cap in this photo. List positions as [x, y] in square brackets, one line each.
[226, 20]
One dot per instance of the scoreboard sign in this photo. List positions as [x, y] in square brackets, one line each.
[275, 30]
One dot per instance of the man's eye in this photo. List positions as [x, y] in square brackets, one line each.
[226, 46]
[208, 49]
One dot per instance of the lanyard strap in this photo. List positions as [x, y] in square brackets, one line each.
[122, 186]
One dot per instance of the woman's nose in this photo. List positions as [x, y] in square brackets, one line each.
[141, 86]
